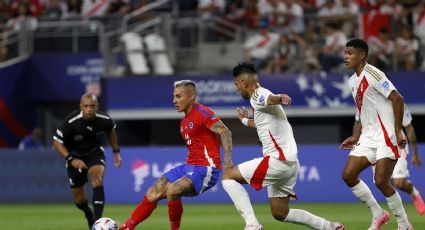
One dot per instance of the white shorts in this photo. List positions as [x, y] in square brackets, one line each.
[374, 154]
[400, 169]
[279, 176]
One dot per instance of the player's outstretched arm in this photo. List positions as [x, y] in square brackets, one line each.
[398, 110]
[244, 118]
[226, 141]
[411, 137]
[279, 99]
[113, 141]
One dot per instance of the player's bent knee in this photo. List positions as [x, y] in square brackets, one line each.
[174, 191]
[154, 195]
[399, 183]
[280, 216]
[96, 181]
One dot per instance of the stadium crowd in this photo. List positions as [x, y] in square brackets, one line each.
[276, 32]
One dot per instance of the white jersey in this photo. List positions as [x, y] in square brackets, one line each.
[370, 91]
[407, 117]
[273, 128]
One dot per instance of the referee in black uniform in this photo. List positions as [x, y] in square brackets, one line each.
[77, 141]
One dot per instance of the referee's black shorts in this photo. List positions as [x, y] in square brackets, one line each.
[78, 178]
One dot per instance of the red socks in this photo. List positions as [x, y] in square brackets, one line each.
[175, 211]
[140, 213]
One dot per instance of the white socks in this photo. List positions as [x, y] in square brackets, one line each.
[362, 191]
[241, 201]
[302, 217]
[415, 192]
[396, 206]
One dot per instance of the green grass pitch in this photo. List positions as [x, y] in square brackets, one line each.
[196, 216]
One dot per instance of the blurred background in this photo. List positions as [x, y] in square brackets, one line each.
[129, 52]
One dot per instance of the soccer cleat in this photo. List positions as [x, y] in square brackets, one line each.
[409, 228]
[337, 226]
[253, 227]
[377, 222]
[419, 204]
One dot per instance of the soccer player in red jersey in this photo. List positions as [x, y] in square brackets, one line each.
[202, 132]
[380, 139]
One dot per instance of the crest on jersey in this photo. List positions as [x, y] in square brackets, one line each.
[191, 125]
[261, 99]
[385, 85]
[213, 117]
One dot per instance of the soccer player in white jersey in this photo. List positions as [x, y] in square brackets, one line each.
[278, 168]
[401, 173]
[381, 139]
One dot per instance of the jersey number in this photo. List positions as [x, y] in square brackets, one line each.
[187, 139]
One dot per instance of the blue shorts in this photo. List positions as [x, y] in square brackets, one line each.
[203, 177]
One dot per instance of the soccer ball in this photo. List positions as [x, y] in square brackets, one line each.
[104, 223]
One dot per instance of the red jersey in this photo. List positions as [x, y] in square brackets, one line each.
[203, 144]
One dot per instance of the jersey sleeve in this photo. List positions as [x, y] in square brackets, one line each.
[110, 124]
[62, 132]
[210, 120]
[383, 85]
[259, 98]
[407, 117]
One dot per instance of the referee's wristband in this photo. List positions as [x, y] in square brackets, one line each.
[69, 158]
[116, 151]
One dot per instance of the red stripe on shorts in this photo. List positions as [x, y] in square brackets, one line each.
[260, 173]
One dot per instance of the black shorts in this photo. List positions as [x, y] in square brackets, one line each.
[78, 178]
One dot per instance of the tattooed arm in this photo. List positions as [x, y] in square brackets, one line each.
[226, 141]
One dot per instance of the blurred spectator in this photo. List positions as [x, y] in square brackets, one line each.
[34, 6]
[22, 18]
[309, 6]
[33, 140]
[419, 21]
[287, 51]
[209, 8]
[407, 47]
[55, 10]
[381, 49]
[347, 13]
[248, 16]
[391, 7]
[119, 7]
[259, 48]
[293, 20]
[92, 8]
[328, 11]
[74, 9]
[332, 53]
